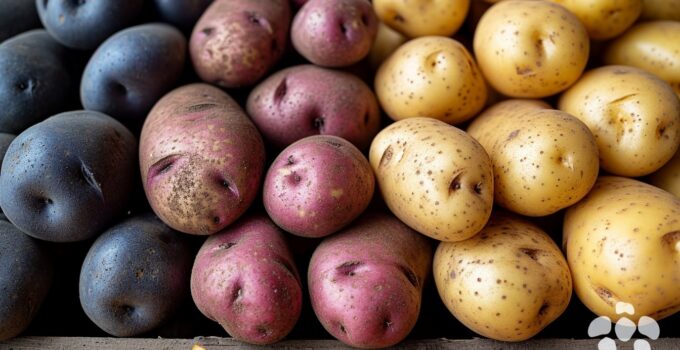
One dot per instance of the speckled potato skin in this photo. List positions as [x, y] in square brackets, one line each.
[623, 245]
[421, 17]
[634, 116]
[334, 33]
[236, 42]
[245, 279]
[433, 77]
[434, 177]
[530, 49]
[652, 46]
[507, 283]
[668, 177]
[306, 100]
[604, 19]
[318, 185]
[544, 159]
[366, 282]
[201, 159]
[660, 9]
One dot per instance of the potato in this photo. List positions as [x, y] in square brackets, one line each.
[604, 19]
[434, 177]
[622, 243]
[201, 159]
[317, 186]
[245, 279]
[530, 48]
[634, 115]
[668, 177]
[307, 100]
[421, 17]
[661, 9]
[432, 77]
[543, 159]
[335, 33]
[507, 283]
[366, 282]
[236, 42]
[386, 42]
[652, 46]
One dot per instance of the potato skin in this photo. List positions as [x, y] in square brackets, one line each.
[530, 49]
[432, 77]
[335, 33]
[317, 186]
[652, 46]
[236, 42]
[422, 18]
[507, 283]
[668, 176]
[622, 246]
[25, 279]
[604, 19]
[366, 282]
[544, 159]
[634, 115]
[660, 10]
[245, 279]
[201, 159]
[306, 100]
[434, 177]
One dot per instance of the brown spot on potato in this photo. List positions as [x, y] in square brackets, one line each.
[281, 91]
[512, 135]
[347, 268]
[386, 156]
[672, 239]
[531, 253]
[200, 107]
[410, 275]
[226, 245]
[606, 295]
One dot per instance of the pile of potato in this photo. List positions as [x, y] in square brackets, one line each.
[257, 156]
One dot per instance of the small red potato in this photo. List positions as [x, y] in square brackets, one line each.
[366, 282]
[245, 279]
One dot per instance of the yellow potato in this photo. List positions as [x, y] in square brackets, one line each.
[661, 9]
[507, 283]
[386, 41]
[432, 77]
[604, 19]
[652, 46]
[623, 245]
[434, 177]
[530, 48]
[544, 160]
[634, 115]
[668, 177]
[415, 18]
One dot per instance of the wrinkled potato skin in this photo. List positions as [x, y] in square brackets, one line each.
[422, 17]
[652, 46]
[668, 177]
[661, 9]
[215, 157]
[236, 42]
[507, 283]
[604, 19]
[537, 57]
[432, 77]
[634, 115]
[434, 177]
[622, 244]
[544, 159]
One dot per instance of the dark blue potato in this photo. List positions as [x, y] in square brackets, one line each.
[135, 276]
[34, 81]
[67, 178]
[182, 13]
[17, 16]
[84, 24]
[132, 70]
[25, 279]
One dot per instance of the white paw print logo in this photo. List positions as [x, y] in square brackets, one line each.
[624, 329]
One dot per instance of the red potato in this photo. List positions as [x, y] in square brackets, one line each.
[236, 42]
[245, 279]
[366, 282]
[201, 159]
[317, 186]
[334, 33]
[307, 100]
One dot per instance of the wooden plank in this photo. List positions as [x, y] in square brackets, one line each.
[213, 343]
